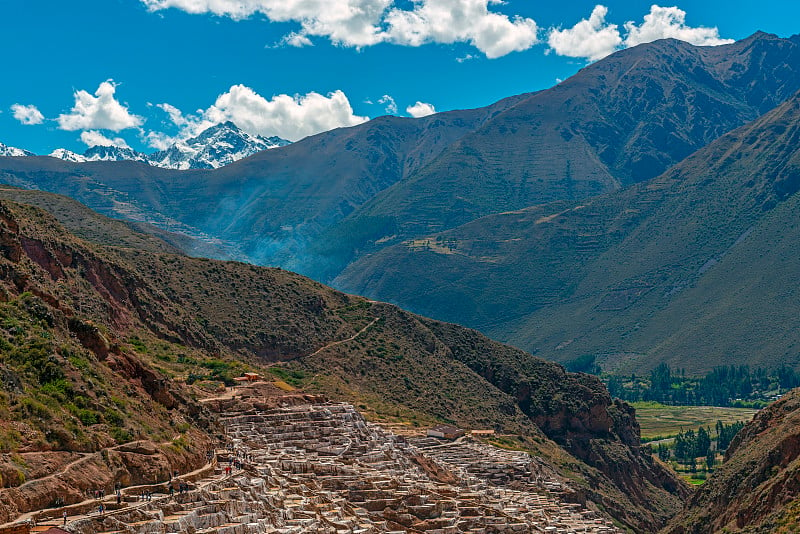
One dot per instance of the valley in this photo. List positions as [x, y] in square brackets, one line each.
[571, 310]
[122, 344]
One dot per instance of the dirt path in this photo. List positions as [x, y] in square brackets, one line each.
[75, 511]
[84, 456]
[351, 338]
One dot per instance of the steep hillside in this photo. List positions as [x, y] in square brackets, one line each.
[316, 205]
[756, 489]
[91, 226]
[267, 206]
[693, 267]
[621, 120]
[180, 322]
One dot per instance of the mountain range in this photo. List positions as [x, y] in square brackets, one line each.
[102, 342]
[644, 211]
[465, 215]
[693, 268]
[214, 147]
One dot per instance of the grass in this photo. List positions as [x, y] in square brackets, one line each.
[661, 421]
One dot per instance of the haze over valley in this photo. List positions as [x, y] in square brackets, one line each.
[280, 282]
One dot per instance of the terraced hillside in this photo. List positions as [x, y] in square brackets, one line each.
[96, 327]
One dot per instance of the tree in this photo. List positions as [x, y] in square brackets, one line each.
[711, 459]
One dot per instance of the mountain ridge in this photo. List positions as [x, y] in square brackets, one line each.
[174, 314]
[214, 147]
[323, 202]
[600, 276]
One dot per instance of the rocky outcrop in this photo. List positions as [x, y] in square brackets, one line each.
[760, 478]
[129, 464]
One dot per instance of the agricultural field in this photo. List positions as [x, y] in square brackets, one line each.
[662, 421]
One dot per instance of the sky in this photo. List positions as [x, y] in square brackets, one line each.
[145, 73]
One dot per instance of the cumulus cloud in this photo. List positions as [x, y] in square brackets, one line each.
[175, 115]
[590, 38]
[594, 38]
[289, 117]
[420, 109]
[94, 138]
[391, 105]
[101, 111]
[346, 22]
[28, 115]
[450, 21]
[663, 22]
[360, 23]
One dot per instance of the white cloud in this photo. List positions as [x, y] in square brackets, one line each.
[590, 38]
[420, 109]
[450, 21]
[663, 22]
[347, 22]
[360, 23]
[296, 39]
[594, 38]
[391, 105]
[28, 115]
[175, 115]
[101, 111]
[94, 138]
[289, 117]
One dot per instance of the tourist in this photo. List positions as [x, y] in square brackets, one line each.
[64, 515]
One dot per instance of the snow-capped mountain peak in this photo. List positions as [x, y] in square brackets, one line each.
[6, 150]
[113, 153]
[67, 155]
[214, 147]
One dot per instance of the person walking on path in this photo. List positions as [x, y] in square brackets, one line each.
[64, 515]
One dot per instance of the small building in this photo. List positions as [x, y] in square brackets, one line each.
[445, 432]
[482, 432]
[248, 378]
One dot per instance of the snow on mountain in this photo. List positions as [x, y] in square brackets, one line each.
[6, 150]
[214, 147]
[113, 153]
[67, 155]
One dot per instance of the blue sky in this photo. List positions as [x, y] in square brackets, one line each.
[145, 72]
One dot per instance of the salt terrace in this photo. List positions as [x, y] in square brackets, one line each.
[321, 468]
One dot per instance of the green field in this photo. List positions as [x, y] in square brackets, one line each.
[660, 421]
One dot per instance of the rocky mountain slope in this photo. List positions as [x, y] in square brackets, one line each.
[692, 268]
[318, 204]
[117, 327]
[756, 489]
[619, 121]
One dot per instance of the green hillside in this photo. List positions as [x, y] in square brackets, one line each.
[92, 330]
[694, 268]
[316, 205]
